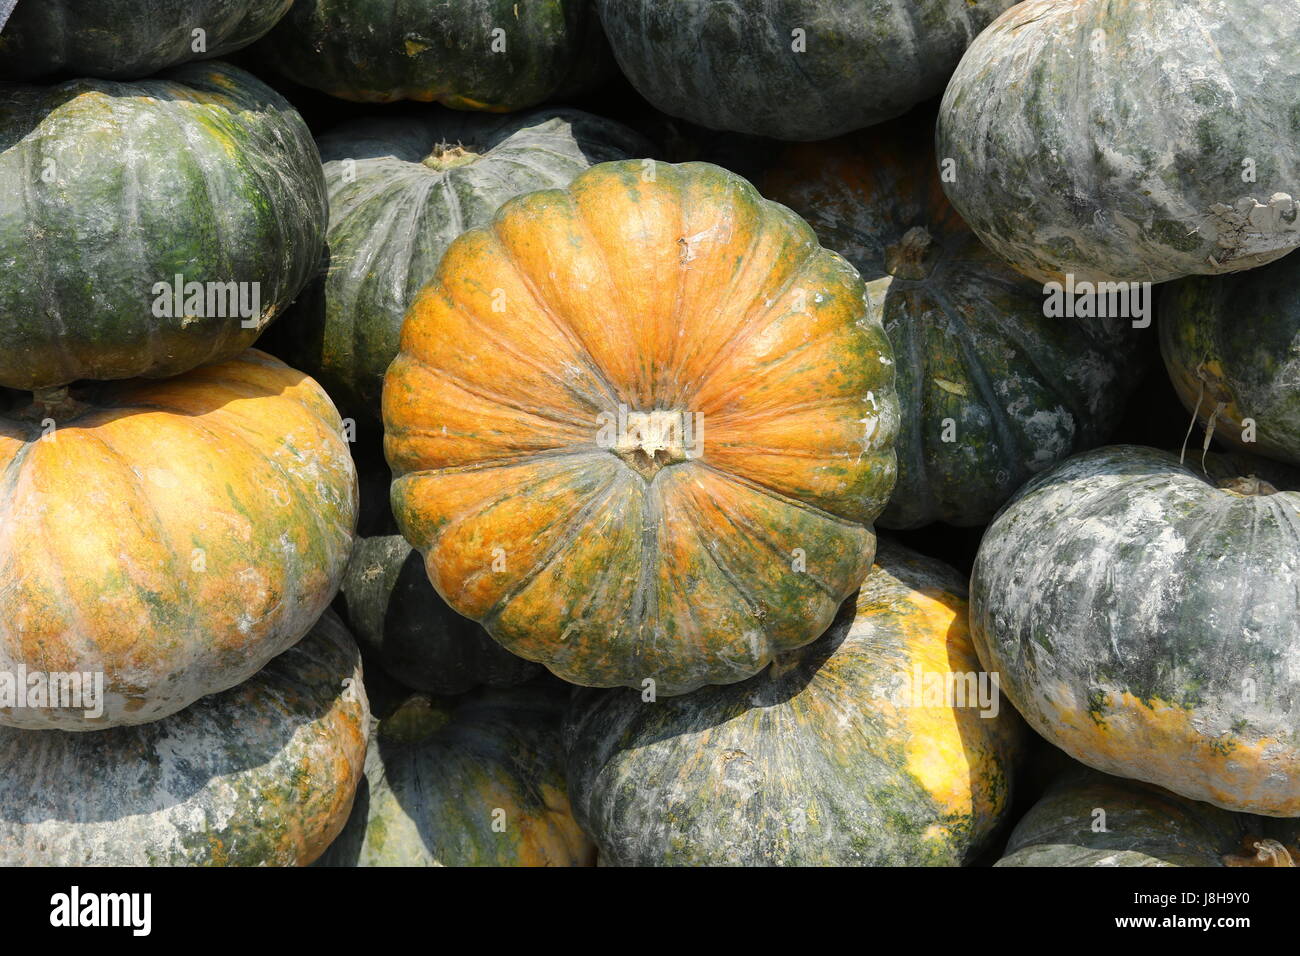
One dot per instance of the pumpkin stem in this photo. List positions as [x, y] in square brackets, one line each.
[1247, 485]
[653, 440]
[448, 156]
[1265, 853]
[912, 257]
[56, 404]
[416, 718]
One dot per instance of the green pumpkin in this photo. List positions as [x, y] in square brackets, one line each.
[263, 773]
[1232, 348]
[126, 39]
[115, 189]
[421, 642]
[494, 55]
[1142, 615]
[473, 782]
[400, 190]
[835, 755]
[1117, 140]
[1090, 819]
[991, 389]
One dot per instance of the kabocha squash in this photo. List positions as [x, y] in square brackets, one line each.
[400, 190]
[1172, 154]
[853, 750]
[640, 427]
[422, 642]
[173, 536]
[126, 39]
[476, 782]
[496, 55]
[991, 390]
[798, 69]
[219, 784]
[1142, 616]
[149, 227]
[1232, 348]
[1090, 819]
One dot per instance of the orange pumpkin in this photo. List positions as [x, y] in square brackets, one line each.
[173, 535]
[640, 428]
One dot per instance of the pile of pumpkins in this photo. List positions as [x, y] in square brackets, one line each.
[344, 332]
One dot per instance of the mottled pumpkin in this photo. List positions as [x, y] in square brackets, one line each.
[173, 535]
[400, 190]
[1091, 819]
[475, 782]
[991, 390]
[838, 754]
[640, 427]
[113, 190]
[1232, 348]
[424, 644]
[262, 774]
[1171, 154]
[796, 69]
[1143, 616]
[495, 55]
[125, 39]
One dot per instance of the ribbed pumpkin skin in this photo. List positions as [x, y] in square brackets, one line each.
[422, 642]
[475, 783]
[203, 172]
[733, 66]
[1235, 340]
[175, 535]
[675, 289]
[125, 39]
[1145, 622]
[1022, 391]
[821, 760]
[1131, 168]
[378, 51]
[219, 784]
[397, 200]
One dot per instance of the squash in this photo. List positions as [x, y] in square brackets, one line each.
[845, 752]
[162, 224]
[639, 428]
[400, 190]
[474, 782]
[1232, 348]
[1113, 140]
[222, 783]
[173, 536]
[118, 40]
[798, 70]
[1089, 819]
[494, 55]
[993, 390]
[394, 610]
[1142, 616]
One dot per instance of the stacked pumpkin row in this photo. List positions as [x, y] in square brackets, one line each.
[641, 421]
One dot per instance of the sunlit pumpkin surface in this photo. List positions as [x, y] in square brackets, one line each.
[730, 514]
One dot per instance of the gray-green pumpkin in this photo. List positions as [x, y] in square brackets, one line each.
[791, 69]
[1232, 348]
[261, 774]
[400, 190]
[110, 191]
[125, 39]
[1134, 140]
[1143, 617]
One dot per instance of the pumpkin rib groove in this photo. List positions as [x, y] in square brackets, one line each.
[777, 496]
[914, 332]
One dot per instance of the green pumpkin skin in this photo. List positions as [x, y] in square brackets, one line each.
[203, 172]
[817, 761]
[400, 190]
[424, 644]
[1129, 140]
[127, 39]
[491, 55]
[473, 782]
[261, 774]
[1231, 345]
[1112, 594]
